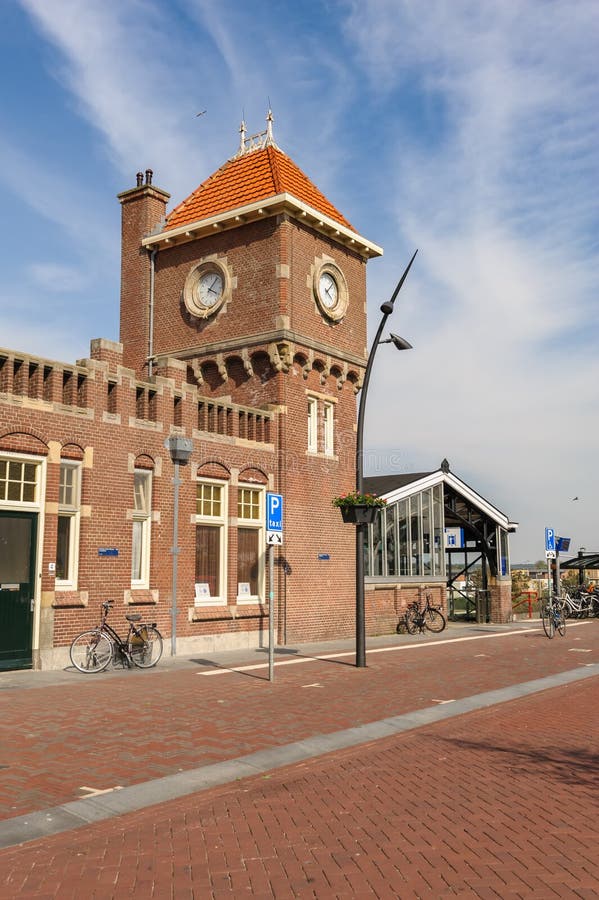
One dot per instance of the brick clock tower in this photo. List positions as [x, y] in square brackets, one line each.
[256, 284]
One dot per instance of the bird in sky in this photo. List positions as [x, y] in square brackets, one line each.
[574, 498]
[200, 113]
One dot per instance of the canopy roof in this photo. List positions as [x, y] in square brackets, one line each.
[398, 487]
[586, 561]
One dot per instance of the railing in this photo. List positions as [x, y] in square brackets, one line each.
[231, 420]
[40, 379]
[530, 598]
[67, 385]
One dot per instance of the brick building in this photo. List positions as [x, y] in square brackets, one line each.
[243, 329]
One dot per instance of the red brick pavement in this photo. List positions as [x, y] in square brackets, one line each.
[99, 732]
[492, 804]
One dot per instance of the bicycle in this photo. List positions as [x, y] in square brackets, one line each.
[553, 615]
[93, 650]
[418, 618]
[580, 604]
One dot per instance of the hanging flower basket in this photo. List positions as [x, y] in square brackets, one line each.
[359, 515]
[359, 509]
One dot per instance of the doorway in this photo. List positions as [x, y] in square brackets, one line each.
[18, 533]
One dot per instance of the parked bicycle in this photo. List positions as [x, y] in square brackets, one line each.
[580, 603]
[92, 651]
[419, 618]
[553, 615]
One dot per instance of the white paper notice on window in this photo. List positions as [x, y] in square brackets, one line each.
[244, 589]
[202, 592]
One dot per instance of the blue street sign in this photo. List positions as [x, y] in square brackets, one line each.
[550, 539]
[274, 512]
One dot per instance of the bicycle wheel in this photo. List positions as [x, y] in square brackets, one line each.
[560, 620]
[411, 621]
[434, 620]
[91, 651]
[548, 620]
[146, 649]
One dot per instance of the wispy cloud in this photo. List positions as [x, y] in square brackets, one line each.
[125, 74]
[501, 199]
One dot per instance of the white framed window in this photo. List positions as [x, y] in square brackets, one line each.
[142, 514]
[329, 429]
[18, 481]
[250, 544]
[211, 537]
[69, 513]
[312, 425]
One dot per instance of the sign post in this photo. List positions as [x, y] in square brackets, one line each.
[549, 555]
[274, 537]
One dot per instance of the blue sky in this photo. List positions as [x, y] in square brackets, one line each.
[467, 129]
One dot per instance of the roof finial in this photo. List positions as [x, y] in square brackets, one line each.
[269, 121]
[256, 141]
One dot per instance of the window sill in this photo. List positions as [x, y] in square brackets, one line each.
[67, 597]
[141, 595]
[226, 613]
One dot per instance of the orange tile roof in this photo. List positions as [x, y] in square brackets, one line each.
[251, 178]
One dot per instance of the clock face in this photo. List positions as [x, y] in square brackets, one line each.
[328, 290]
[210, 288]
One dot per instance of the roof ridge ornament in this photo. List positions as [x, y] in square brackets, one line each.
[257, 141]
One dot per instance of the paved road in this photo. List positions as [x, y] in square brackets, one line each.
[494, 803]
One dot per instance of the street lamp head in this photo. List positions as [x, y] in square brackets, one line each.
[180, 448]
[400, 343]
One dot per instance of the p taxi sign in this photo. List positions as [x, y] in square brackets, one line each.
[274, 519]
[550, 543]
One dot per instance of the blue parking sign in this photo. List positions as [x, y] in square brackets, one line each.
[274, 512]
[550, 539]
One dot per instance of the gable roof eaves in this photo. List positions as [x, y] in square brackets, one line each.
[427, 480]
[256, 210]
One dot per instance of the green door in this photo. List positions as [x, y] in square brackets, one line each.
[17, 588]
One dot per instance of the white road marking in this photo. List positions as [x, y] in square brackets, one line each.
[95, 792]
[401, 647]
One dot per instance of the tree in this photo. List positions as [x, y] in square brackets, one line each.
[520, 583]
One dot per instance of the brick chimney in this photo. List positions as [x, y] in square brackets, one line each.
[142, 210]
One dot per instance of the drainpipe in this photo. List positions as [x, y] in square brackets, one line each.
[151, 312]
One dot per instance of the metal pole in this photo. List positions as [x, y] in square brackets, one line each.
[271, 613]
[386, 309]
[175, 552]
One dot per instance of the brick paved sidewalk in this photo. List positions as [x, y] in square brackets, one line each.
[493, 804]
[62, 741]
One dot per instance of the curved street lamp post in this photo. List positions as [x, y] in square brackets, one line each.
[361, 529]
